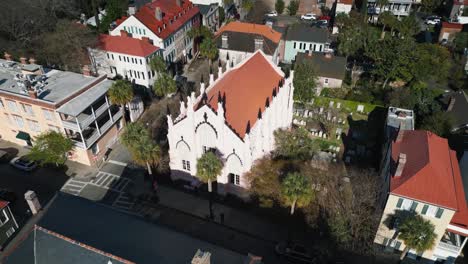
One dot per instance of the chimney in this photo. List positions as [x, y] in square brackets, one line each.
[124, 33]
[23, 60]
[33, 202]
[258, 44]
[7, 56]
[158, 13]
[147, 39]
[328, 55]
[401, 164]
[224, 41]
[201, 257]
[32, 60]
[132, 9]
[451, 103]
[179, 3]
[86, 70]
[401, 133]
[32, 93]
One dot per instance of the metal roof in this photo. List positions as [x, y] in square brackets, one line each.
[78, 104]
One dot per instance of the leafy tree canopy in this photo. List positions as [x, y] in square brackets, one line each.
[417, 233]
[164, 85]
[51, 147]
[208, 49]
[296, 190]
[279, 6]
[209, 167]
[293, 7]
[305, 81]
[121, 92]
[294, 144]
[158, 64]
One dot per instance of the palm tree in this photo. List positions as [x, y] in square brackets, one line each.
[138, 141]
[296, 191]
[209, 50]
[209, 166]
[417, 233]
[386, 18]
[198, 34]
[164, 85]
[158, 64]
[121, 93]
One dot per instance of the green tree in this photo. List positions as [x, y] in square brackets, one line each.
[158, 64]
[430, 6]
[296, 191]
[51, 147]
[293, 7]
[294, 145]
[209, 167]
[305, 81]
[222, 15]
[121, 93]
[461, 41]
[417, 233]
[247, 5]
[440, 123]
[138, 141]
[431, 62]
[164, 85]
[279, 6]
[208, 49]
[408, 26]
[114, 10]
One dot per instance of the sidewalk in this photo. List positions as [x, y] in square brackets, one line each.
[233, 218]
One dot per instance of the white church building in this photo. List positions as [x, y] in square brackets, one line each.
[235, 115]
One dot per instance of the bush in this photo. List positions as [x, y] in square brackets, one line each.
[293, 7]
[279, 6]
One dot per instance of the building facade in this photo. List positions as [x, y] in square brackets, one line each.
[396, 7]
[126, 57]
[8, 224]
[422, 176]
[165, 24]
[304, 38]
[210, 15]
[236, 116]
[34, 100]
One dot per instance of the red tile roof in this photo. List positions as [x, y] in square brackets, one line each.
[251, 28]
[3, 204]
[345, 2]
[170, 9]
[246, 89]
[452, 25]
[126, 45]
[431, 173]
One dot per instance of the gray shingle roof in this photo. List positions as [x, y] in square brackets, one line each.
[332, 67]
[459, 111]
[240, 41]
[113, 232]
[307, 33]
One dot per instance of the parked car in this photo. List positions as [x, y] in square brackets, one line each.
[327, 18]
[271, 14]
[4, 156]
[23, 163]
[308, 16]
[7, 195]
[294, 252]
[432, 20]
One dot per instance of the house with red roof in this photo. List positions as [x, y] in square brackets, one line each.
[125, 56]
[235, 116]
[8, 224]
[165, 23]
[422, 176]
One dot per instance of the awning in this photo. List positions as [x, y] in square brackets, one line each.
[23, 135]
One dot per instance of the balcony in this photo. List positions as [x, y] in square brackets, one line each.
[448, 247]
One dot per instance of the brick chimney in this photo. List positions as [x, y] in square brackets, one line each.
[86, 70]
[401, 164]
[23, 60]
[7, 56]
[328, 55]
[451, 103]
[401, 133]
[147, 40]
[124, 33]
[33, 202]
[158, 13]
[32, 93]
[32, 60]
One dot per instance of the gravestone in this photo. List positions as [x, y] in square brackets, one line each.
[360, 108]
[321, 110]
[338, 105]
[331, 104]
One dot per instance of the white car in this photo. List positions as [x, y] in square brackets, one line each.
[272, 14]
[308, 16]
[23, 163]
[432, 21]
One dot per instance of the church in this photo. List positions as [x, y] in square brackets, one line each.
[236, 116]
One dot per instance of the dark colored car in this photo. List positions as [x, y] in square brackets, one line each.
[295, 253]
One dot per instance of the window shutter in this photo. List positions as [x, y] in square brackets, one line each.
[397, 245]
[413, 206]
[424, 210]
[400, 201]
[439, 213]
[385, 241]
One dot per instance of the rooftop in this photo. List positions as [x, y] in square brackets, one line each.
[127, 45]
[95, 233]
[205, 9]
[431, 173]
[246, 88]
[173, 16]
[53, 86]
[330, 67]
[452, 25]
[307, 33]
[251, 28]
[457, 107]
[78, 104]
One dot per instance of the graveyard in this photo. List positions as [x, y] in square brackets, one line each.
[340, 127]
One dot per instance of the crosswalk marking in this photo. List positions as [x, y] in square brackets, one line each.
[73, 186]
[110, 181]
[124, 202]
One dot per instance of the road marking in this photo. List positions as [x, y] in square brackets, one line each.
[118, 163]
[124, 202]
[110, 181]
[73, 186]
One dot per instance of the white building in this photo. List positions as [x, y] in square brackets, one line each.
[236, 115]
[125, 56]
[165, 23]
[343, 6]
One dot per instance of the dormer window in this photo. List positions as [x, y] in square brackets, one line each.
[159, 29]
[164, 26]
